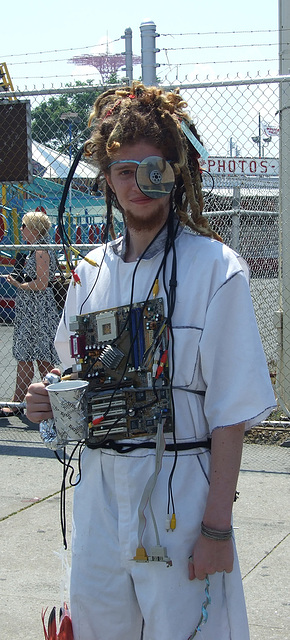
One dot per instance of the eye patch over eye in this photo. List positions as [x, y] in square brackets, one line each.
[154, 175]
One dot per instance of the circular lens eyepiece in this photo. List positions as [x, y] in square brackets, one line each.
[155, 177]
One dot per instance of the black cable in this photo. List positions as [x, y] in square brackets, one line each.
[66, 466]
[62, 503]
[171, 300]
[208, 193]
[62, 232]
[96, 280]
[61, 208]
[134, 275]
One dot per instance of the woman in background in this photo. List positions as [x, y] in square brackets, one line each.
[36, 313]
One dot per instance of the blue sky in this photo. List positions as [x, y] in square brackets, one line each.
[37, 38]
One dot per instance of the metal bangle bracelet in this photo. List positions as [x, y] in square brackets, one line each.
[215, 534]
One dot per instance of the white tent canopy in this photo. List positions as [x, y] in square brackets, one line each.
[48, 163]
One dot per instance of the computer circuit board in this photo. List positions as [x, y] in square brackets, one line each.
[123, 353]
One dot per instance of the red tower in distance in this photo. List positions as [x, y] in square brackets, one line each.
[105, 63]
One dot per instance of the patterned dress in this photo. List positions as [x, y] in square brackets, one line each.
[36, 318]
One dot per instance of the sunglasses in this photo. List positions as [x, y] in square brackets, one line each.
[23, 226]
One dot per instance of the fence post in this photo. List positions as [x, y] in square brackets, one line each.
[4, 202]
[148, 53]
[235, 243]
[128, 53]
[284, 108]
[16, 237]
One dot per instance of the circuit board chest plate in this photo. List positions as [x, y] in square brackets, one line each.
[123, 353]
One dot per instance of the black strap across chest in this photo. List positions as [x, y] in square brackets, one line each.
[122, 447]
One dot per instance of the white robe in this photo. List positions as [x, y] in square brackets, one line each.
[217, 349]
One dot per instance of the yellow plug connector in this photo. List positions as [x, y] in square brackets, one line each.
[173, 522]
[77, 253]
[92, 262]
[155, 289]
[141, 555]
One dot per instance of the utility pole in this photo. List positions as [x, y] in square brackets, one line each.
[258, 139]
[234, 147]
[148, 52]
[128, 54]
[283, 315]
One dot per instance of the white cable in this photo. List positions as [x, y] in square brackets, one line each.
[150, 485]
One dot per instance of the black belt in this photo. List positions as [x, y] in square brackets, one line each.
[122, 447]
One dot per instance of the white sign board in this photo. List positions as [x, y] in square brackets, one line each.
[241, 166]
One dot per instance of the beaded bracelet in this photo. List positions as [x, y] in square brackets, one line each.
[215, 534]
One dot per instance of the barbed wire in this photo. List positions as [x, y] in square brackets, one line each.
[197, 33]
[222, 46]
[166, 50]
[211, 33]
[55, 60]
[169, 65]
[161, 64]
[183, 64]
[70, 75]
[38, 53]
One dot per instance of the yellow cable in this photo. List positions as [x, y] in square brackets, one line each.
[77, 253]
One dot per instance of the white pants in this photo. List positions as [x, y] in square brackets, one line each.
[111, 594]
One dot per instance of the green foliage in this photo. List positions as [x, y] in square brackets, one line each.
[113, 79]
[50, 129]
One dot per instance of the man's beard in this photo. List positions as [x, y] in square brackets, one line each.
[148, 223]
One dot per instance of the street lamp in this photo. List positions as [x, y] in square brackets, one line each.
[258, 140]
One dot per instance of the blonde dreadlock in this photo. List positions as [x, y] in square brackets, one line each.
[130, 114]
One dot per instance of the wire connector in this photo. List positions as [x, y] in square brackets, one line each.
[141, 555]
[159, 554]
[97, 420]
[170, 522]
[155, 289]
[76, 278]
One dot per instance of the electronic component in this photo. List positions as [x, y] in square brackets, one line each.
[155, 177]
[159, 554]
[123, 354]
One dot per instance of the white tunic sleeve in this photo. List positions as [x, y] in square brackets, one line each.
[233, 364]
[62, 338]
[76, 296]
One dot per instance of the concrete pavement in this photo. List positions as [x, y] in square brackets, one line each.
[31, 574]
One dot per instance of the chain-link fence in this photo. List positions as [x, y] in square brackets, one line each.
[239, 126]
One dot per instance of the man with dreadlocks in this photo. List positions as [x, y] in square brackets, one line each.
[219, 387]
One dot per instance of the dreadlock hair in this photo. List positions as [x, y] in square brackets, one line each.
[128, 115]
